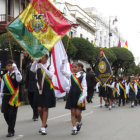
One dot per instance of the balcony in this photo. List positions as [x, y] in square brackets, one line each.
[3, 22]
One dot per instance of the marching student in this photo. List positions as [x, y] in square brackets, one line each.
[102, 93]
[45, 96]
[91, 82]
[10, 92]
[81, 67]
[110, 85]
[127, 80]
[115, 91]
[131, 90]
[137, 81]
[121, 87]
[30, 85]
[77, 95]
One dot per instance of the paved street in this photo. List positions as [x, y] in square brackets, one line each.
[98, 123]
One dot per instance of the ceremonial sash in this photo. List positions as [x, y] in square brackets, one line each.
[47, 79]
[137, 84]
[76, 80]
[132, 87]
[14, 92]
[123, 88]
[115, 91]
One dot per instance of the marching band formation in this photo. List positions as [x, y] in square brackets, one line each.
[120, 90]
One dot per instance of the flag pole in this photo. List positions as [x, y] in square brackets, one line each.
[10, 47]
[68, 41]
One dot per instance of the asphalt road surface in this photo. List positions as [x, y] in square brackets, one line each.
[121, 123]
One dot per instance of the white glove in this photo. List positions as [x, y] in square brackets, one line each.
[1, 95]
[39, 65]
[14, 66]
[67, 89]
[81, 99]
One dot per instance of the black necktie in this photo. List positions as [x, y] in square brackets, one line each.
[39, 75]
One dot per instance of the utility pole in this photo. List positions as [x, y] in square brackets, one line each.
[6, 11]
[110, 34]
[19, 6]
[13, 8]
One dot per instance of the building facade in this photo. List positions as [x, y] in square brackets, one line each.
[86, 25]
[9, 9]
[107, 34]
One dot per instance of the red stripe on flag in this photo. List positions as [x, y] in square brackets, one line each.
[55, 19]
[54, 62]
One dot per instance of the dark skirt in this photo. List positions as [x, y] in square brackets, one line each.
[110, 93]
[74, 95]
[132, 96]
[46, 100]
[138, 94]
[72, 101]
[102, 92]
[111, 96]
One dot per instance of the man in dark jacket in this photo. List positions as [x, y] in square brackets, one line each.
[30, 85]
[91, 82]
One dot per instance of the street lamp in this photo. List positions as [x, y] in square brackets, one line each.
[110, 34]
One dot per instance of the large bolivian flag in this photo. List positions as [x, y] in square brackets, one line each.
[38, 28]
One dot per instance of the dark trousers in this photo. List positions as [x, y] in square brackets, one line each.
[121, 97]
[31, 101]
[10, 113]
[90, 92]
[10, 117]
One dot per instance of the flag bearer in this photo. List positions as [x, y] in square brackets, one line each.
[45, 96]
[77, 95]
[10, 91]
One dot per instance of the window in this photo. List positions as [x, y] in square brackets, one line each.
[81, 36]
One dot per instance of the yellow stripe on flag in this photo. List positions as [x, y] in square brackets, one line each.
[47, 39]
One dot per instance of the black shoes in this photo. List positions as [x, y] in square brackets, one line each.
[74, 132]
[35, 119]
[79, 127]
[10, 135]
[46, 126]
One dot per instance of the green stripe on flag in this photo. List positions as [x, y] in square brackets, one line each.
[26, 39]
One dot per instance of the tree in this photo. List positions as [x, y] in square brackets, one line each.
[137, 70]
[110, 55]
[70, 48]
[85, 50]
[124, 59]
[4, 43]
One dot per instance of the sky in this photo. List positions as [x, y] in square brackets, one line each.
[128, 15]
